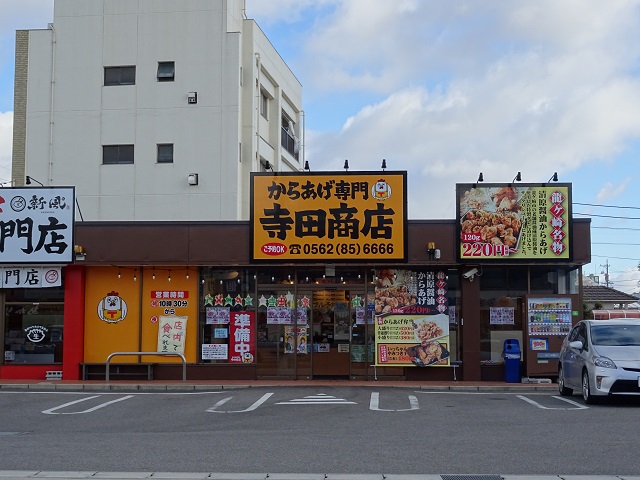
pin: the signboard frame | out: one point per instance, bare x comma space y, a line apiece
328, 251
497, 258
16, 202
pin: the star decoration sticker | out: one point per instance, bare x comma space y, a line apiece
289, 297
356, 301
219, 299
306, 302
238, 300
262, 301
282, 301
271, 301
228, 300
248, 301
208, 299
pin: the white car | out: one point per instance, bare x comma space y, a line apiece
602, 358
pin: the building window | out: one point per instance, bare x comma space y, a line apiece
117, 154
166, 71
165, 153
288, 138
120, 75
264, 105
34, 326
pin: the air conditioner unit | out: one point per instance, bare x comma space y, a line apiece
192, 97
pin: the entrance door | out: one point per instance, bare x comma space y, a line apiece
331, 324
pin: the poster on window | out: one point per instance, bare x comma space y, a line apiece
171, 334
242, 345
215, 351
502, 316
30, 277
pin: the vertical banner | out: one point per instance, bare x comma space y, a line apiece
171, 334
242, 346
412, 318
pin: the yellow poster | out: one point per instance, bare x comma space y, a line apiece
328, 216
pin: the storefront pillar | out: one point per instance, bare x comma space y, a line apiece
73, 353
470, 338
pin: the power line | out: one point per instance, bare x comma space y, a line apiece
618, 228
604, 206
606, 216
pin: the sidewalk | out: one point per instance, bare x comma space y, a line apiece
178, 385
6, 475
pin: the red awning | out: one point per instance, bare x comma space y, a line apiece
607, 314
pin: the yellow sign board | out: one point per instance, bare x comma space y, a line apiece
328, 216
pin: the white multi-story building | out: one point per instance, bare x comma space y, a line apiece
153, 109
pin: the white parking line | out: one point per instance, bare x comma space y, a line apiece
52, 411
260, 401
374, 404
578, 406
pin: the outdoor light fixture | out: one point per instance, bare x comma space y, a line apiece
193, 179
346, 165
29, 179
554, 177
306, 166
480, 178
384, 164
517, 178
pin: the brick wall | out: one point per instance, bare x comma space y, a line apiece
20, 107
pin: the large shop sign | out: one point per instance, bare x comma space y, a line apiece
329, 216
36, 225
525, 222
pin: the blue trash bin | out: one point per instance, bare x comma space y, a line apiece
511, 354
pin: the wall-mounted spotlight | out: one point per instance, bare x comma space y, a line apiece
346, 165
193, 179
268, 166
384, 164
29, 179
306, 166
517, 178
554, 177
480, 178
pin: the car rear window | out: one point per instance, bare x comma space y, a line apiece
615, 335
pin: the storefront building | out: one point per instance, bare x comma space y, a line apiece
208, 290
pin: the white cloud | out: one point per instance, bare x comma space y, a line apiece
609, 190
6, 139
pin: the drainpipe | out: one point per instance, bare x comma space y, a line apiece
259, 66
51, 103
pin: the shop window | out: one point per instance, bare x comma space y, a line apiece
121, 75
33, 330
228, 325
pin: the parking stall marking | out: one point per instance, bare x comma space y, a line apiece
255, 405
374, 404
52, 411
577, 406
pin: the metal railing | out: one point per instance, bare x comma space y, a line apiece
184, 361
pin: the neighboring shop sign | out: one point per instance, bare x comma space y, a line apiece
412, 318
332, 216
36, 224
30, 277
514, 222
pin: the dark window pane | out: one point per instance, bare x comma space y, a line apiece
128, 76
117, 154
165, 153
111, 76
166, 71
119, 76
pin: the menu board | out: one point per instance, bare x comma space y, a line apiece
549, 316
412, 320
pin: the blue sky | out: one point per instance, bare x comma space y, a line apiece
446, 89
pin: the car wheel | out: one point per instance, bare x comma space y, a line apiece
564, 391
586, 389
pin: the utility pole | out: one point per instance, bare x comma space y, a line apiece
606, 274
